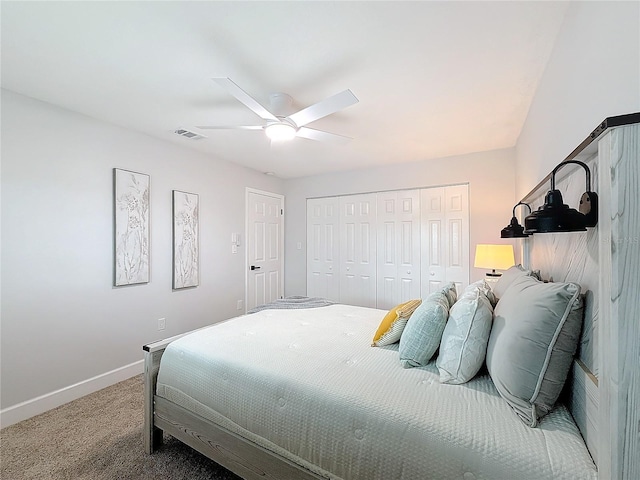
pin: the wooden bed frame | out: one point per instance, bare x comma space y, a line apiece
605, 408
235, 453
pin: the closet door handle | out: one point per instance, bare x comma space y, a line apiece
253, 267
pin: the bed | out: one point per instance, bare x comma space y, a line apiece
303, 395
306, 386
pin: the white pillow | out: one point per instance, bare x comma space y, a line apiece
507, 279
484, 288
464, 341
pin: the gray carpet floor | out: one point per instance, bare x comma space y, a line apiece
98, 437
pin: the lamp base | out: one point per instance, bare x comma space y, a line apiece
494, 274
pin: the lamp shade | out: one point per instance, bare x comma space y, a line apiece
556, 216
494, 257
514, 229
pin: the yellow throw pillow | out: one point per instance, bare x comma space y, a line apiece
393, 323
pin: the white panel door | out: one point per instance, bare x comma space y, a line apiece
398, 245
265, 242
323, 251
358, 250
456, 199
433, 264
445, 237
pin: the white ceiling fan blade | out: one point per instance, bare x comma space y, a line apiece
321, 109
245, 98
230, 127
321, 136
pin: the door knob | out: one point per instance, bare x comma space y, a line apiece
253, 267
432, 274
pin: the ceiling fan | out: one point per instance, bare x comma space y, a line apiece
279, 124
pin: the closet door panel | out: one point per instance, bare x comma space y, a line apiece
358, 250
398, 247
388, 289
322, 248
445, 236
433, 223
457, 238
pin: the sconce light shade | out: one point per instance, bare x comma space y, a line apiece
494, 257
556, 216
514, 229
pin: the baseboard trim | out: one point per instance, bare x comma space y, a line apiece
41, 404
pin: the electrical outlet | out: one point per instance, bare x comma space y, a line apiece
240, 302
162, 323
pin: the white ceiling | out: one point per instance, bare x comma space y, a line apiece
434, 79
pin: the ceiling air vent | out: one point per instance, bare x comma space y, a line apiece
188, 134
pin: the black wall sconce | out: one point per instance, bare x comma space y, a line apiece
514, 229
555, 216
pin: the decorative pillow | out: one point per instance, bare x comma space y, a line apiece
421, 336
451, 293
534, 337
484, 288
393, 323
507, 278
464, 340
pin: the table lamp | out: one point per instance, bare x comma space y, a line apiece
494, 257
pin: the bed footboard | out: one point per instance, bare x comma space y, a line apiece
152, 355
237, 454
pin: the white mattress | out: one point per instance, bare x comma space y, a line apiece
307, 385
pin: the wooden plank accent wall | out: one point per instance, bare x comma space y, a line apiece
619, 192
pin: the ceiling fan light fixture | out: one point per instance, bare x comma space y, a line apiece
280, 131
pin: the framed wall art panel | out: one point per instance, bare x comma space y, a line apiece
131, 227
185, 240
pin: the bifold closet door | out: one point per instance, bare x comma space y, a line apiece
381, 249
398, 241
445, 237
358, 250
322, 248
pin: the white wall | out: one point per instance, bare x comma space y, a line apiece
62, 321
593, 73
491, 178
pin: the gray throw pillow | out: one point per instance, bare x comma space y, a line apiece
450, 291
421, 336
535, 333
